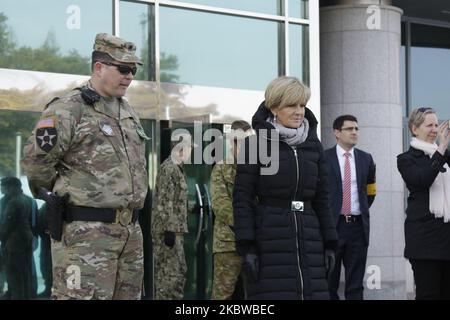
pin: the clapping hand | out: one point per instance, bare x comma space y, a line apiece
444, 136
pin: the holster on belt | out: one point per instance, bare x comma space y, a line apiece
55, 212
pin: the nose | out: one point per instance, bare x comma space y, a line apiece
299, 109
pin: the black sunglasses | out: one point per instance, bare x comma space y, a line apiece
124, 70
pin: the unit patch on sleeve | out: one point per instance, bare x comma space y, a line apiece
46, 134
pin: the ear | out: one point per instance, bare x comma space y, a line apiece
97, 67
336, 133
414, 130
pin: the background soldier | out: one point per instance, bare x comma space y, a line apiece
90, 145
17, 237
169, 223
227, 263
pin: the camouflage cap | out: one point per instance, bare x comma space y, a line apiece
117, 48
183, 139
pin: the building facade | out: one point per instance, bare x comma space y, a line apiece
210, 61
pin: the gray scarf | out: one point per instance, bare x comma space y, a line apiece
293, 137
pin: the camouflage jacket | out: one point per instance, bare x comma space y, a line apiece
222, 183
169, 212
88, 152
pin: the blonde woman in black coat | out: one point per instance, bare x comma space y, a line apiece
283, 225
425, 170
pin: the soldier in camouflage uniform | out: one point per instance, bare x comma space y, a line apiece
169, 224
89, 144
227, 263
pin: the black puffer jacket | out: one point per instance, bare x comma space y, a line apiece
290, 244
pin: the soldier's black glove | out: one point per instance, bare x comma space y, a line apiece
169, 238
329, 262
250, 264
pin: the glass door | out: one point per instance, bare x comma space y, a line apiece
198, 241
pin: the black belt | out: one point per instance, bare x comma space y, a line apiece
77, 213
351, 218
286, 204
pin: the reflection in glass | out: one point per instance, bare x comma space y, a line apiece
51, 35
11, 123
299, 9
221, 104
430, 58
299, 52
266, 6
136, 21
21, 250
219, 50
31, 90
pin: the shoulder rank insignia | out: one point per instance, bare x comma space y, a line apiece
46, 134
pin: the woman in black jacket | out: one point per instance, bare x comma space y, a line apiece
425, 170
283, 225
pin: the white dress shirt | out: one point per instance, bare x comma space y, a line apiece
355, 198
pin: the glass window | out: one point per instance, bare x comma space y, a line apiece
219, 50
136, 23
51, 35
430, 58
299, 9
25, 265
299, 52
266, 6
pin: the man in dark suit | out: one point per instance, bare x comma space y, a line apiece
352, 192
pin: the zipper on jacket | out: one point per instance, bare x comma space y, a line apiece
128, 158
295, 217
296, 225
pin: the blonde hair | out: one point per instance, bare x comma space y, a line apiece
285, 92
417, 117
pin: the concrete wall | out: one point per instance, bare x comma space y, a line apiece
360, 75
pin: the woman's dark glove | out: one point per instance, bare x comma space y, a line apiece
329, 262
169, 238
250, 265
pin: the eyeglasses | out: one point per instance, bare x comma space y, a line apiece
350, 129
124, 70
423, 109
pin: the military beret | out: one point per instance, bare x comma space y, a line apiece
116, 48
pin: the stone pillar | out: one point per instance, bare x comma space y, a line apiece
360, 75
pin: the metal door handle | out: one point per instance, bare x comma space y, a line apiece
200, 224
209, 202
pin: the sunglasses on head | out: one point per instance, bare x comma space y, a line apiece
124, 70
424, 109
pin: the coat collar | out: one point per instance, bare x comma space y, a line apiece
415, 152
261, 115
